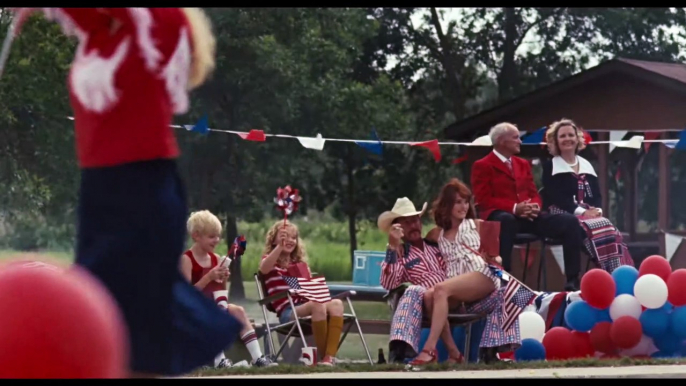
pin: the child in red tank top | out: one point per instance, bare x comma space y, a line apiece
201, 267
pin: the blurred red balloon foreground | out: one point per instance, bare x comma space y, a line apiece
57, 323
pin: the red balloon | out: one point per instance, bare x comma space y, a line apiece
600, 338
626, 332
598, 288
59, 324
558, 344
676, 285
582, 344
657, 265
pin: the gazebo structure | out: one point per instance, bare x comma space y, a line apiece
639, 97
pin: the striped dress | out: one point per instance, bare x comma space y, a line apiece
461, 257
424, 268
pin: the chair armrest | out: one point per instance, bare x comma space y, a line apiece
399, 289
276, 296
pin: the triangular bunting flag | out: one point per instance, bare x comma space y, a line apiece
633, 142
253, 135
672, 243
484, 140
200, 127
681, 145
316, 143
432, 146
616, 136
587, 136
536, 137
374, 148
558, 254
649, 136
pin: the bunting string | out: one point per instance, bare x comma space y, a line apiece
374, 145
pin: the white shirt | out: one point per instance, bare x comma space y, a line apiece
502, 158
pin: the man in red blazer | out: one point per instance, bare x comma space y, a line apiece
504, 191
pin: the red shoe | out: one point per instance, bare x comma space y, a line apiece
419, 362
459, 359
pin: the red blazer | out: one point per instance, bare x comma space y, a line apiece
495, 188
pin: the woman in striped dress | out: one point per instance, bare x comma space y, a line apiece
471, 280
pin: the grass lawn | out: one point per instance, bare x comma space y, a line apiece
299, 369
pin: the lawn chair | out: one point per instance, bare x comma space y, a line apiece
303, 324
455, 318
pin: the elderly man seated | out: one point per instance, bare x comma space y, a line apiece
504, 191
410, 258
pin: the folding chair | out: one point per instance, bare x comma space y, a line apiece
302, 323
455, 318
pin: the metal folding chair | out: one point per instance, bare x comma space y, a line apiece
303, 324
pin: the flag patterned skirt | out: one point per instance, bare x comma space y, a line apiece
406, 325
603, 242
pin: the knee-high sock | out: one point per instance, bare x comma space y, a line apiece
334, 335
319, 330
251, 343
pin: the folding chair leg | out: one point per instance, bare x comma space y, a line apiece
542, 270
467, 342
359, 330
297, 322
268, 335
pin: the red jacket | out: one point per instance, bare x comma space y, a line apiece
495, 188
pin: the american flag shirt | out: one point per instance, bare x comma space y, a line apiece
425, 267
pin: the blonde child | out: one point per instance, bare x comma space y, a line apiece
283, 248
200, 266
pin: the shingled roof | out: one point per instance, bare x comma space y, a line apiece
668, 75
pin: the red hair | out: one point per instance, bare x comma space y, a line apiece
443, 206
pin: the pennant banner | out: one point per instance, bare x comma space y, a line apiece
375, 145
672, 243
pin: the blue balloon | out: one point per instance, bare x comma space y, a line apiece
668, 307
580, 316
625, 277
530, 350
655, 323
668, 343
678, 323
603, 315
661, 354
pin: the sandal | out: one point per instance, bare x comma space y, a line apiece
459, 359
419, 362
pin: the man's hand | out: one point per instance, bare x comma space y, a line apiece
523, 209
395, 236
535, 210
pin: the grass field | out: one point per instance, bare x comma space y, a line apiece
351, 348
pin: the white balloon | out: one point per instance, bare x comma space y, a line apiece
651, 291
531, 326
625, 305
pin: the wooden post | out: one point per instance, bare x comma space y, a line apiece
664, 187
603, 151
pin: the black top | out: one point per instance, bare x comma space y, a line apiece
561, 189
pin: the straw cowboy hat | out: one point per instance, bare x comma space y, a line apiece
403, 208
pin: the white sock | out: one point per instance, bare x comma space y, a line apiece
251, 343
219, 358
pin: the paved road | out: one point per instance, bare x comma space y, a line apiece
669, 371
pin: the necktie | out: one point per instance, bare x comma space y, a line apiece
509, 165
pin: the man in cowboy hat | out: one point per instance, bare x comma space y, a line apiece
410, 258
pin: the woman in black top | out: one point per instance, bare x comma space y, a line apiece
571, 185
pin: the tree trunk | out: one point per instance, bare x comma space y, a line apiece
351, 211
450, 65
237, 291
508, 72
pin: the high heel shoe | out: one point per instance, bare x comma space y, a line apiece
459, 359
419, 362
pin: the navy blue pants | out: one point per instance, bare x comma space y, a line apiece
131, 234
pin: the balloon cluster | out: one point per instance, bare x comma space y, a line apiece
635, 313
